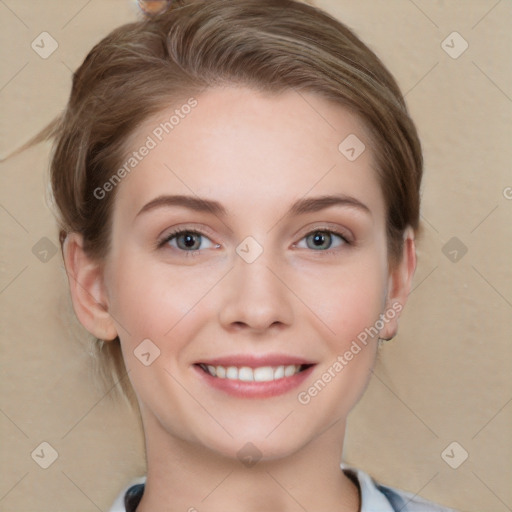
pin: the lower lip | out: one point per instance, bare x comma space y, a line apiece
243, 389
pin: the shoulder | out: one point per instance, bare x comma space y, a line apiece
376, 497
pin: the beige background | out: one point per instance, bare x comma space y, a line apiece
446, 377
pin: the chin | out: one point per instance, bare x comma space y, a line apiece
258, 442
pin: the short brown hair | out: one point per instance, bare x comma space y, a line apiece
271, 45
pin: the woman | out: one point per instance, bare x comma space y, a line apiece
238, 189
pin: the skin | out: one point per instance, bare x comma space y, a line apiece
255, 154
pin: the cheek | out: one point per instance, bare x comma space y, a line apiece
150, 299
347, 298
356, 313
349, 303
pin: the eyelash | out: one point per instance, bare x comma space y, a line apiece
330, 231
174, 234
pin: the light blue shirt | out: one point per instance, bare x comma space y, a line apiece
374, 496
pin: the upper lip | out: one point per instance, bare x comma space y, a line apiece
256, 361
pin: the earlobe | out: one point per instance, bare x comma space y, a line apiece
399, 285
87, 287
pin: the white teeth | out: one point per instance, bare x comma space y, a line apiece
246, 374
263, 374
279, 372
232, 373
289, 370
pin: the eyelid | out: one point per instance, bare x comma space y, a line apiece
332, 228
335, 229
171, 233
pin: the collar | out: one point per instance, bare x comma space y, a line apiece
374, 496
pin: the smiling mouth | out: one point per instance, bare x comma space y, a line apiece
259, 374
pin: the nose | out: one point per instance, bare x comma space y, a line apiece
256, 297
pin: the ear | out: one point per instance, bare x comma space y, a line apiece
88, 292
399, 286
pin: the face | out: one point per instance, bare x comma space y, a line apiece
251, 303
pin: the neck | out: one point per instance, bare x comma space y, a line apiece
183, 476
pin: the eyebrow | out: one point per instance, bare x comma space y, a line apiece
300, 207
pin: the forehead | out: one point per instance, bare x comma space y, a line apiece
247, 149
